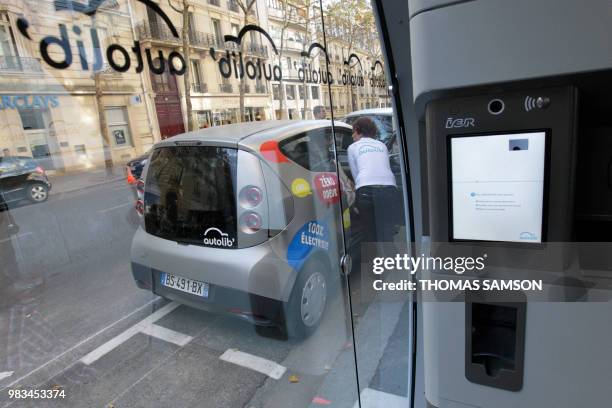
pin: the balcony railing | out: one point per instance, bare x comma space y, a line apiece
257, 49
225, 88
160, 32
200, 39
14, 63
215, 2
154, 31
199, 88
233, 6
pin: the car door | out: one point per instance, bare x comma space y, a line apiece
11, 179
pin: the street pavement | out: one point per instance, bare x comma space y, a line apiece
72, 319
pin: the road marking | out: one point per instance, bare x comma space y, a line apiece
374, 398
267, 367
168, 335
25, 234
141, 327
83, 342
114, 208
5, 374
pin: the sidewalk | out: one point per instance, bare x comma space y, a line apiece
69, 182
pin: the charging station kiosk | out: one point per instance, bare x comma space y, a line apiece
517, 164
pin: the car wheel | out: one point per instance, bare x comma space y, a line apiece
308, 300
38, 192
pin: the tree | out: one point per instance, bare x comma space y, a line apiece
99, 93
308, 15
184, 11
245, 6
350, 19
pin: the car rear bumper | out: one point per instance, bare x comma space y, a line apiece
259, 270
258, 310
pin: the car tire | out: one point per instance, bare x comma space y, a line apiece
38, 192
309, 299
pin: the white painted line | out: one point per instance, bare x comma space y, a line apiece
5, 374
83, 342
267, 367
25, 234
373, 399
116, 341
114, 208
165, 334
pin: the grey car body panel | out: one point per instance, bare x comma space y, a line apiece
261, 269
497, 41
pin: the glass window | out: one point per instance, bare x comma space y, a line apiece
290, 89
276, 91
118, 126
32, 118
190, 189
314, 92
311, 150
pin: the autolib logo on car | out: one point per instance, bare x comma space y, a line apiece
223, 240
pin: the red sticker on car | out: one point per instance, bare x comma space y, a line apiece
327, 187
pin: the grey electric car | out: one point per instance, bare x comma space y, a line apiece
244, 219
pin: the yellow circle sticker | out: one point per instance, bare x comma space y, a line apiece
300, 188
346, 218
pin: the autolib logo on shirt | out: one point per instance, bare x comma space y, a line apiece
222, 240
370, 149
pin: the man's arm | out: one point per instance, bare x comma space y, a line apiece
352, 162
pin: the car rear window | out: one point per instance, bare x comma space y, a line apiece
190, 195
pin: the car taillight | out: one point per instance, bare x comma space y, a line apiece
140, 188
251, 196
139, 207
39, 170
250, 222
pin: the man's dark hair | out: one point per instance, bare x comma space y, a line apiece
366, 127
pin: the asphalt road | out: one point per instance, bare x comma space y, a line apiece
72, 319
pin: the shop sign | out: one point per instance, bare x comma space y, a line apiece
28, 102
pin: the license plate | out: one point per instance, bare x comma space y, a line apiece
184, 285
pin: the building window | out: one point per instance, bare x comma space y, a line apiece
276, 92
9, 59
32, 119
196, 77
301, 89
216, 26
118, 126
290, 89
314, 91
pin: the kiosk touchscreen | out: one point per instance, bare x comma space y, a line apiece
497, 186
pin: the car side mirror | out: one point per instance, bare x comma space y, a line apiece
13, 229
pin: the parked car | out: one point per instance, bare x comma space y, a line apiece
243, 219
22, 178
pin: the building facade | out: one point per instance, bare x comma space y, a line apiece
87, 87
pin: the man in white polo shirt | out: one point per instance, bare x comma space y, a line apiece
374, 181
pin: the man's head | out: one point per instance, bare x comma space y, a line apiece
364, 127
319, 112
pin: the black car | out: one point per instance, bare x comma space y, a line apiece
22, 178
